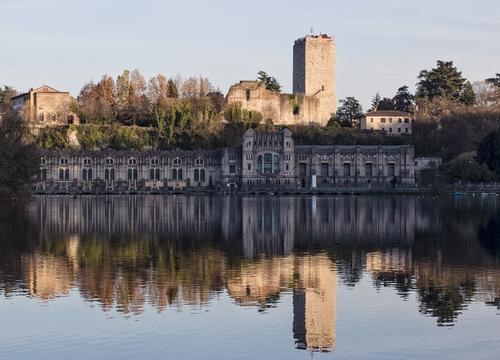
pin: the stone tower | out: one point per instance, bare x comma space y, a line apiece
314, 59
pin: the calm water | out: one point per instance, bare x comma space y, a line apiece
250, 278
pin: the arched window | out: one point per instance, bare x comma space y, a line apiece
199, 162
202, 175
43, 161
63, 161
177, 162
109, 161
132, 161
196, 175
174, 174
87, 161
155, 161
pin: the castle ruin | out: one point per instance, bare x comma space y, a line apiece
314, 87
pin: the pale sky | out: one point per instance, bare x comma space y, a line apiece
380, 44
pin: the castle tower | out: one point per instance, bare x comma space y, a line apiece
314, 60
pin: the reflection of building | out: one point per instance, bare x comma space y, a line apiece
314, 304
264, 161
313, 281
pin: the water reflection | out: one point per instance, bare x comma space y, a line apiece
125, 253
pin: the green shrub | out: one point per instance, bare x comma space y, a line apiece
127, 137
93, 136
53, 137
466, 167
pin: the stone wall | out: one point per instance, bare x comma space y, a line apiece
281, 109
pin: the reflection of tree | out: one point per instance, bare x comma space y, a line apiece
446, 302
489, 235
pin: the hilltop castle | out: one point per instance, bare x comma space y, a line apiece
314, 87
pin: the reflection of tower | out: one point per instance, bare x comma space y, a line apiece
314, 303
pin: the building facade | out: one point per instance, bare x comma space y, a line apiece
45, 106
265, 161
391, 121
314, 87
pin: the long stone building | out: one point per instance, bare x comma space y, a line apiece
314, 87
265, 161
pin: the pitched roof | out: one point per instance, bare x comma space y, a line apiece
394, 113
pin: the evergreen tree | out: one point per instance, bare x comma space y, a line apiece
375, 101
349, 110
495, 81
19, 163
488, 151
386, 104
172, 91
5, 95
403, 100
468, 97
444, 81
270, 81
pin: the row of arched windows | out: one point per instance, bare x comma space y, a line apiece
131, 161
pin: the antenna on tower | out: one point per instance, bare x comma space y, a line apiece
312, 30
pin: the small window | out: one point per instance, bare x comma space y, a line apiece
391, 169
347, 169
406, 130
249, 166
382, 120
155, 161
132, 161
196, 175
400, 120
399, 130
63, 161
41, 117
43, 161
177, 162
324, 169
407, 120
199, 162
109, 161
248, 95
232, 169
390, 130
202, 175
87, 162
390, 120
368, 169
